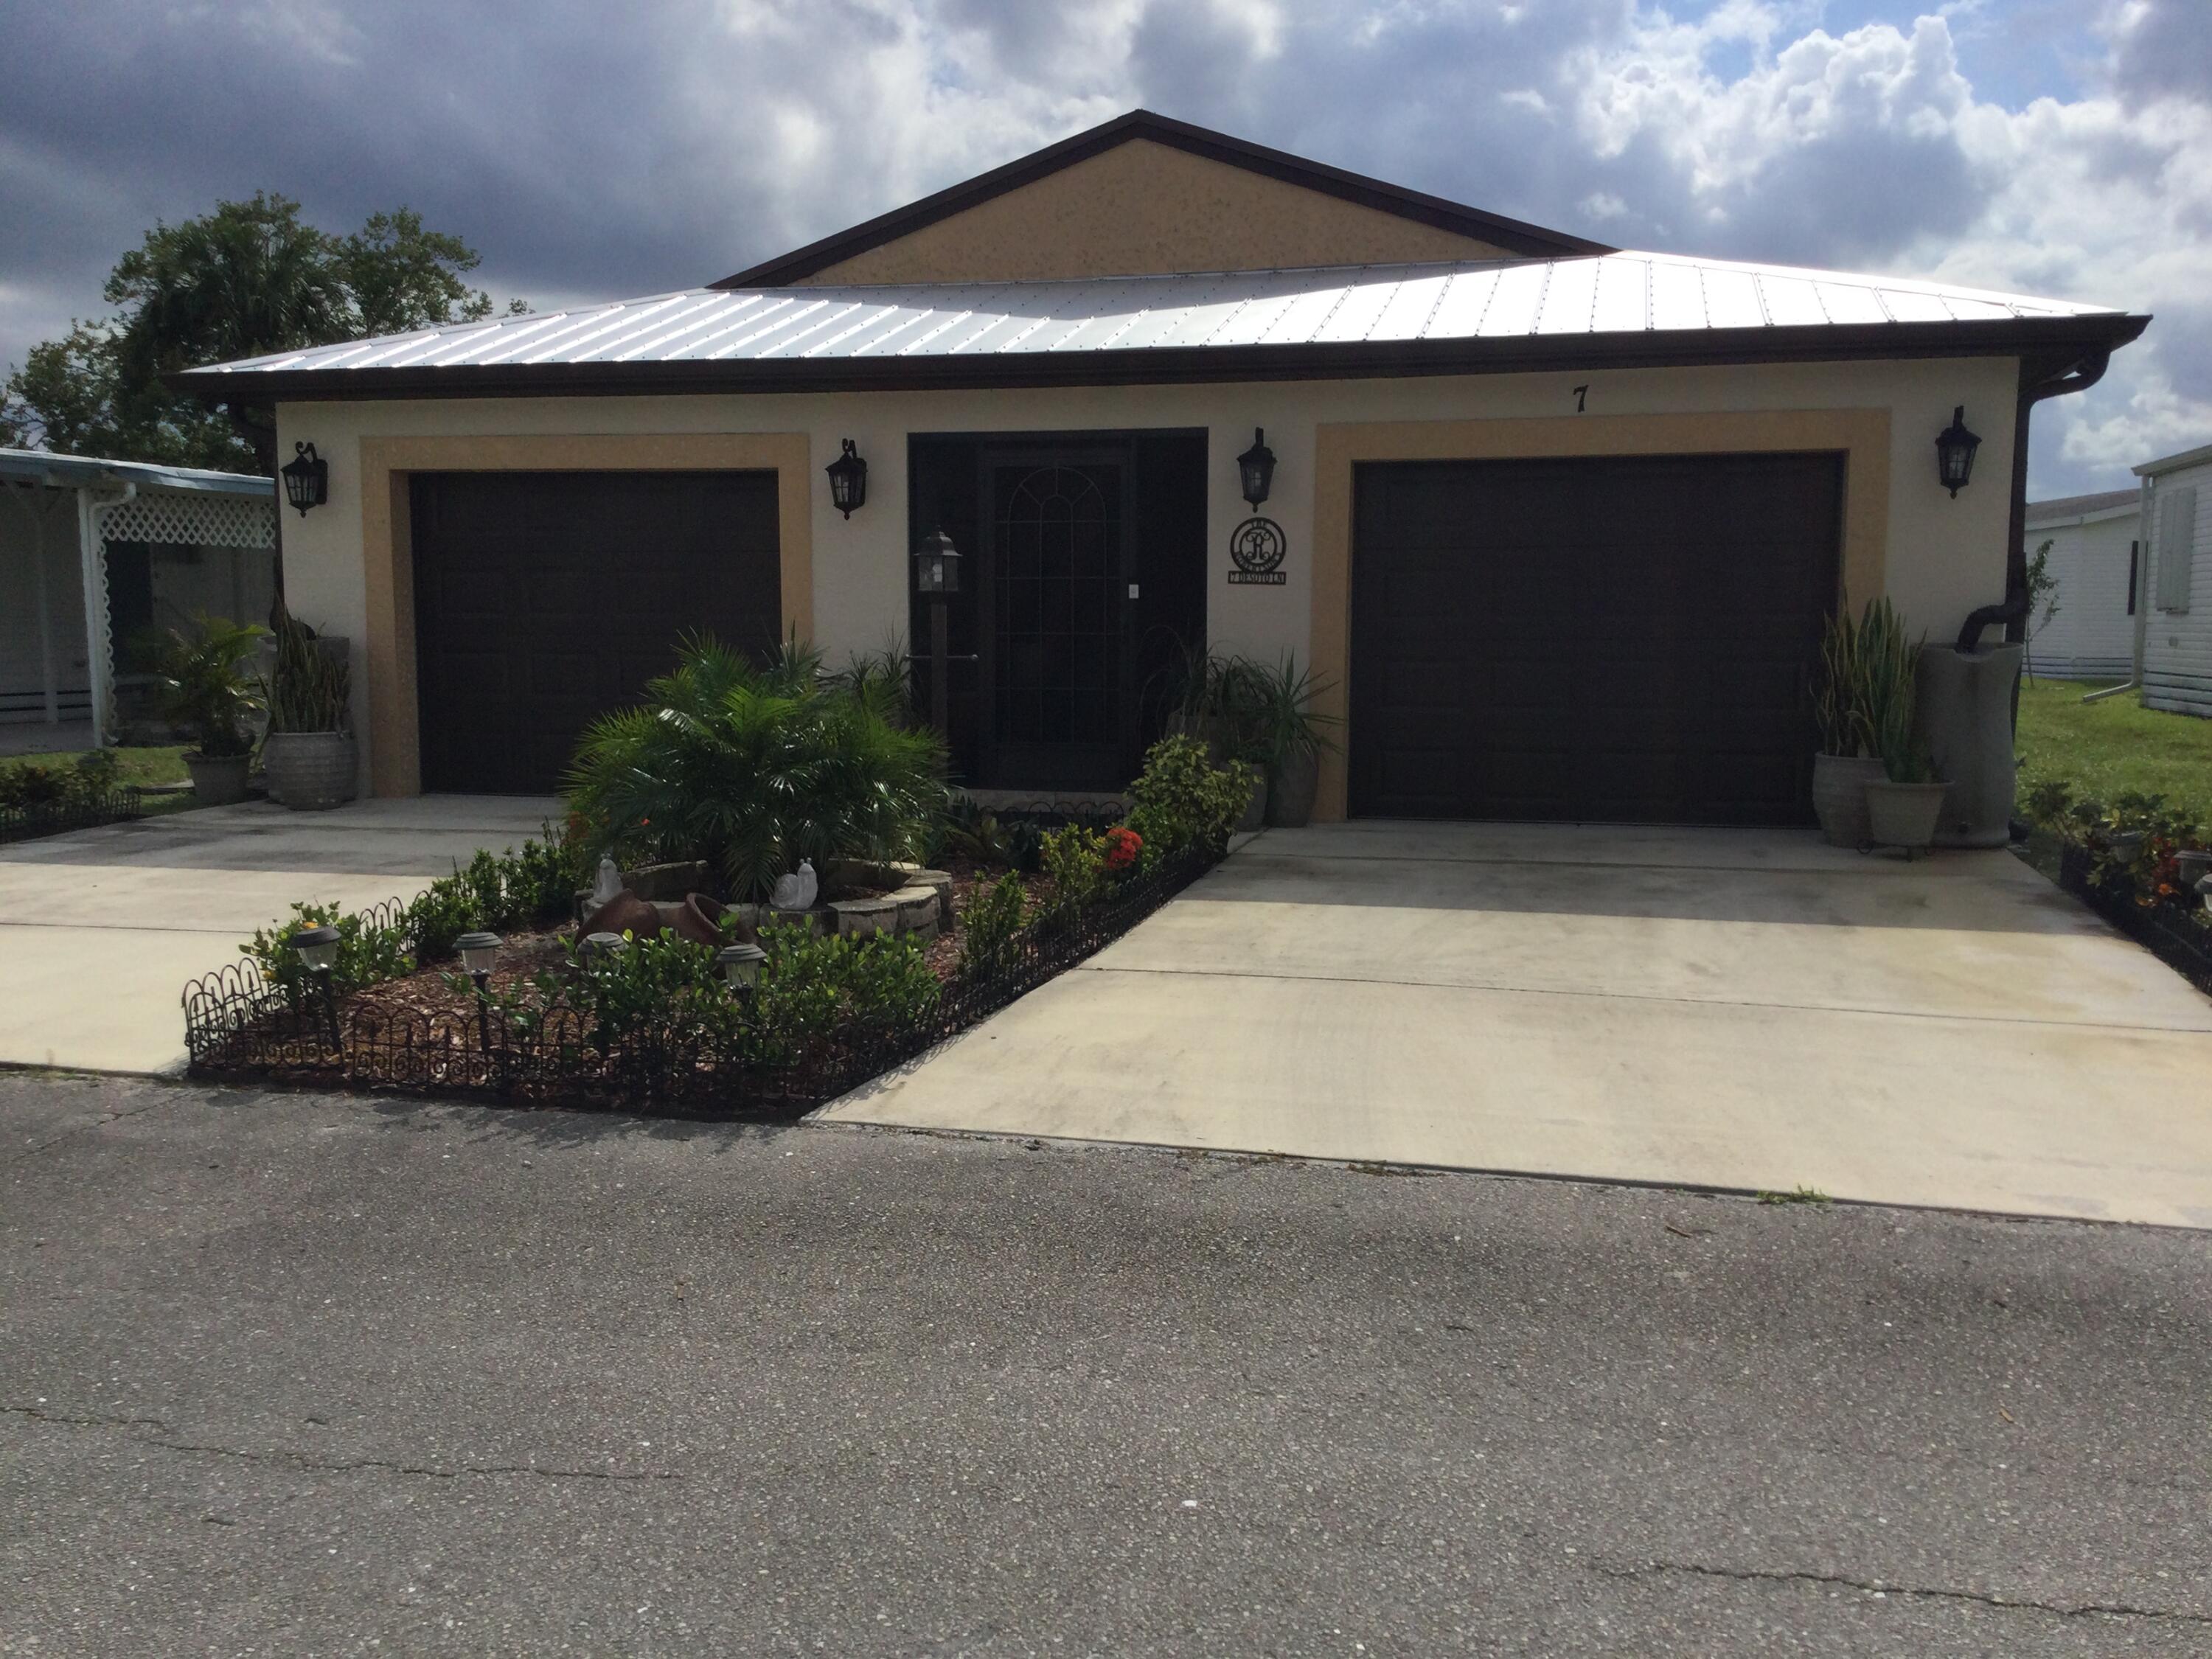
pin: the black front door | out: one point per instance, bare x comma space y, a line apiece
1054, 656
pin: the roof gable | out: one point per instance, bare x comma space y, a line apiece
1144, 195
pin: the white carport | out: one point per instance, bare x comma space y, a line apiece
201, 531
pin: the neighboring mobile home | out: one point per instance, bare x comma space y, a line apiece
94, 554
2085, 629
1559, 524
2173, 625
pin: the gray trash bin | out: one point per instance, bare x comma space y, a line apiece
1966, 714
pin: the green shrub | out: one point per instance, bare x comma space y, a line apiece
1184, 801
986, 932
367, 954
31, 784
662, 992
814, 983
753, 770
436, 916
1075, 859
544, 878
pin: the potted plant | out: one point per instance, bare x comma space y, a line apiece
1292, 736
1847, 760
206, 688
1905, 804
311, 755
1221, 702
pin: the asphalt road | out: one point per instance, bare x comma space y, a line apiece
285, 1374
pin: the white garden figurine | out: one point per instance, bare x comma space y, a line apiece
796, 892
610, 881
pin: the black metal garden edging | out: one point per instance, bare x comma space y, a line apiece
2166, 931
122, 804
241, 1025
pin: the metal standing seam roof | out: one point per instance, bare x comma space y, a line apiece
1613, 294
68, 471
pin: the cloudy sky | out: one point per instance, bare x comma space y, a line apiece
591, 150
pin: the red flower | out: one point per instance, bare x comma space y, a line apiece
1122, 846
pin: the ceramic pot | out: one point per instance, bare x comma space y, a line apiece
702, 920
1839, 799
1905, 814
310, 771
1255, 809
218, 779
1290, 792
625, 913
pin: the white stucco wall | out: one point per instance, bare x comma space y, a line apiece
1944, 556
2093, 633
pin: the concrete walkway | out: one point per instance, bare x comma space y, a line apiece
1738, 1009
99, 930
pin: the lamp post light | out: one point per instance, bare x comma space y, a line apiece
306, 478
937, 577
480, 955
317, 950
1255, 468
1955, 453
848, 480
741, 966
600, 947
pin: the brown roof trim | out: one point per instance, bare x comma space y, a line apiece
1514, 236
2064, 336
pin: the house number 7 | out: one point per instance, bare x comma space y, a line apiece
1582, 397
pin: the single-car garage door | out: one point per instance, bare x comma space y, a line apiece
542, 599
1620, 639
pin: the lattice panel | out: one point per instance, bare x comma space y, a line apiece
199, 520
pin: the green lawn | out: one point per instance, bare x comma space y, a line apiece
2104, 749
138, 766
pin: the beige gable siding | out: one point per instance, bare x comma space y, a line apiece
1142, 208
2177, 661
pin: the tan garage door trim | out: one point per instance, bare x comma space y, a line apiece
1862, 435
394, 730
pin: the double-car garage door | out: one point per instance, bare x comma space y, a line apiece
1621, 639
543, 599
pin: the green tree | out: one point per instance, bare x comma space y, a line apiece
248, 279
2042, 601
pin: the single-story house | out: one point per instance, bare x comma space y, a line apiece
2174, 627
95, 554
2095, 545
1557, 523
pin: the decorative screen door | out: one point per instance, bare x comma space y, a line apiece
1058, 577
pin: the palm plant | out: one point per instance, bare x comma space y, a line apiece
753, 769
1280, 697
206, 686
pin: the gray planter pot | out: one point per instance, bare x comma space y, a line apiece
1905, 814
218, 780
1255, 809
1839, 799
1290, 792
310, 771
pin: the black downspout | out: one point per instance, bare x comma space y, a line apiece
2038, 380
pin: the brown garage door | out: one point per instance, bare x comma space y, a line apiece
542, 599
1617, 639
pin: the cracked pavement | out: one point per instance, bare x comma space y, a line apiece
297, 1374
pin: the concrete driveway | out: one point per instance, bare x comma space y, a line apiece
1734, 1009
99, 930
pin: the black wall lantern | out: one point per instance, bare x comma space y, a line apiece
1256, 467
1954, 452
306, 478
848, 480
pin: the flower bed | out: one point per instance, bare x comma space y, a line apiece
84, 811
2179, 935
671, 1057
2123, 859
